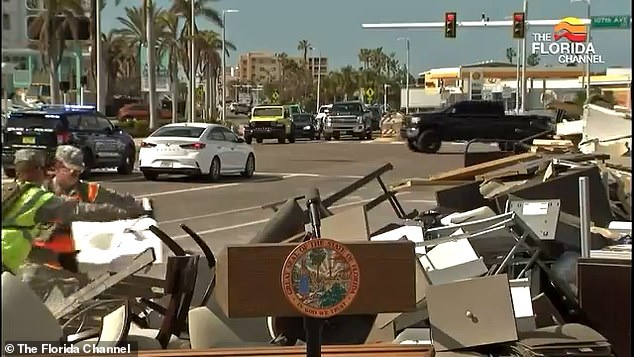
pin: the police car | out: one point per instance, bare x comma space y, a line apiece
103, 144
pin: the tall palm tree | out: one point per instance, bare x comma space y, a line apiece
50, 32
303, 46
134, 24
209, 45
202, 8
169, 41
364, 57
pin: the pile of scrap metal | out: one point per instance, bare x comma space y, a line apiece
591, 228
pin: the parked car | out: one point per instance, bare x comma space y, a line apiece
196, 149
141, 111
270, 122
304, 125
103, 144
469, 120
241, 108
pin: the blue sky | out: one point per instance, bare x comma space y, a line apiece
334, 27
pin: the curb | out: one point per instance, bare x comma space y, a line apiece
388, 139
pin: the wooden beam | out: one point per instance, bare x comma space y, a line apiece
469, 172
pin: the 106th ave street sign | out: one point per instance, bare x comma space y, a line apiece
611, 22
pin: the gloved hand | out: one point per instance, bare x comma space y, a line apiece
68, 261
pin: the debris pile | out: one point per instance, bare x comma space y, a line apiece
524, 255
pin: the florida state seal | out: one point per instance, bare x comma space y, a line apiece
320, 278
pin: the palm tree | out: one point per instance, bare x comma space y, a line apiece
134, 25
169, 41
201, 9
364, 57
50, 32
510, 54
303, 46
209, 45
532, 60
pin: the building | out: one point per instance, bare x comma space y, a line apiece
261, 67
14, 24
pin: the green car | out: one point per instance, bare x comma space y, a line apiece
270, 122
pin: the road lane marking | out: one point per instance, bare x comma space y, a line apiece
192, 189
260, 221
308, 174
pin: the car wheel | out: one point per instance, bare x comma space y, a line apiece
259, 141
248, 140
336, 136
151, 176
88, 163
127, 164
317, 136
291, 139
327, 137
412, 146
249, 167
214, 170
429, 141
369, 136
10, 173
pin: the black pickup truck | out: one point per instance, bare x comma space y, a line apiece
469, 120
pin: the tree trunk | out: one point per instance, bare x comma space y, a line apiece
151, 52
214, 97
54, 82
174, 87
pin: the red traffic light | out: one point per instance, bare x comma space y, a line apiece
450, 16
519, 17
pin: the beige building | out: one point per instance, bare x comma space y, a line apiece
261, 67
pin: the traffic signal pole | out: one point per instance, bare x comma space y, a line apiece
477, 24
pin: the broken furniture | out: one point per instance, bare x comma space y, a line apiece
27, 319
605, 298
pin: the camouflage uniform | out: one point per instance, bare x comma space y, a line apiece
60, 211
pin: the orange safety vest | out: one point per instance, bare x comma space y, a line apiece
62, 241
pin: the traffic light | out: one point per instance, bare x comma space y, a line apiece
519, 25
450, 24
34, 27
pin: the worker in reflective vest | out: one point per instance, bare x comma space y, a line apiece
31, 207
69, 164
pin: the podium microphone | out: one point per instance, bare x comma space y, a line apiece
313, 201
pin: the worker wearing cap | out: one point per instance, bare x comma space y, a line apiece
69, 164
32, 207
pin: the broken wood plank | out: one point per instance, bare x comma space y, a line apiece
552, 143
469, 172
412, 184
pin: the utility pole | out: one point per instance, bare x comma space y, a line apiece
523, 84
192, 63
101, 105
385, 87
151, 52
406, 39
517, 78
318, 82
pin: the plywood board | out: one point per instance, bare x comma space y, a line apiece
470, 172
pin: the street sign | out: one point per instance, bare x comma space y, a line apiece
369, 92
611, 22
275, 96
162, 71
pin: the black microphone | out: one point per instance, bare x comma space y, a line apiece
313, 201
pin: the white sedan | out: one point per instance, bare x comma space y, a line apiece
195, 149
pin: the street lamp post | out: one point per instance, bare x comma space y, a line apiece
100, 94
224, 69
385, 87
406, 39
523, 83
318, 77
192, 62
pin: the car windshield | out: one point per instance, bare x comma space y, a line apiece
323, 109
22, 121
346, 107
302, 118
267, 112
179, 132
294, 110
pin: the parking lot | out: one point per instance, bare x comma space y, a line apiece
229, 211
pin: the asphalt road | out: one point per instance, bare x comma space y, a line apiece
229, 211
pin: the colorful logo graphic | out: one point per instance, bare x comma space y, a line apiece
320, 278
572, 29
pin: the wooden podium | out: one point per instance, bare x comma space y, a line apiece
249, 285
